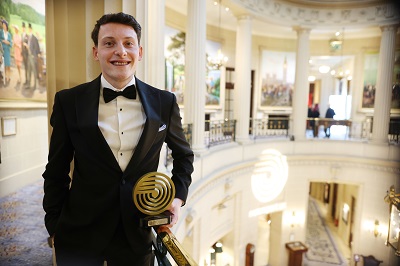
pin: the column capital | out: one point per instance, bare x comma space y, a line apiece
389, 27
244, 17
301, 29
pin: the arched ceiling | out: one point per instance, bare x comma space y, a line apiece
276, 18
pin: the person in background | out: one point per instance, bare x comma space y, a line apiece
113, 141
33, 53
6, 42
314, 113
25, 51
17, 46
330, 113
2, 81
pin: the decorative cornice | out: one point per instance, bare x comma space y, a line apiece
317, 16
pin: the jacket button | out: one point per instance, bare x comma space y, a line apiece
123, 181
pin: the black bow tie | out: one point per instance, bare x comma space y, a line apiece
129, 92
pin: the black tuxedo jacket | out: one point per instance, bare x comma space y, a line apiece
83, 212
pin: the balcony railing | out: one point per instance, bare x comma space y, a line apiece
187, 131
394, 130
271, 127
219, 132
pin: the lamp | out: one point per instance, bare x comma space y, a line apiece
217, 247
218, 61
377, 230
268, 218
393, 236
334, 43
337, 44
293, 220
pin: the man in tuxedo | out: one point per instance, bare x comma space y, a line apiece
112, 142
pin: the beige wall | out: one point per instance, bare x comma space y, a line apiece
24, 155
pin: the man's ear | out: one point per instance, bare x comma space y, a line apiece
140, 53
94, 51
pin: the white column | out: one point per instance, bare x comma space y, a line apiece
195, 72
301, 85
327, 85
384, 85
138, 9
243, 79
155, 66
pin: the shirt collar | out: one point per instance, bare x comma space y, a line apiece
105, 83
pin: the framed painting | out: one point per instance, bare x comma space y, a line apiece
175, 69
215, 85
370, 75
395, 104
345, 213
174, 52
23, 61
277, 79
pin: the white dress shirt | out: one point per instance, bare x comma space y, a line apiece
121, 122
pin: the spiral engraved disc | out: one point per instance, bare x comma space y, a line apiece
153, 193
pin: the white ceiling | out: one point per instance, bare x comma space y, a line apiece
264, 26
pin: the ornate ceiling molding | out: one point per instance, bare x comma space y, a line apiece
372, 13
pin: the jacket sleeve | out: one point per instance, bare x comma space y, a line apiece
181, 153
56, 175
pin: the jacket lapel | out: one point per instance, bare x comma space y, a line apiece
152, 107
87, 111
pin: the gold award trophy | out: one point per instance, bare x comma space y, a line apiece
153, 194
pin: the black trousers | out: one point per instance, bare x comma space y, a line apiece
117, 253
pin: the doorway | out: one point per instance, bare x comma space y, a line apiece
332, 207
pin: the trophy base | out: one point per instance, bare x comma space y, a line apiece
156, 220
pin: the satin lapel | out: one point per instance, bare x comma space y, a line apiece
151, 104
87, 112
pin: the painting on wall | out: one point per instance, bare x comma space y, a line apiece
277, 79
174, 52
370, 74
396, 82
214, 87
23, 61
175, 68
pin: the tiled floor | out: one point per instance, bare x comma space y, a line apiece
342, 246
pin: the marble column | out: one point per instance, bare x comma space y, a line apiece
139, 9
155, 66
301, 84
243, 79
153, 53
195, 72
384, 83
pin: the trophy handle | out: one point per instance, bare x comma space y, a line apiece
175, 249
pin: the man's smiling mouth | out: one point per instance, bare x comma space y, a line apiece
116, 63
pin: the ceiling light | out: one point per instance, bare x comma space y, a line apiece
219, 60
324, 69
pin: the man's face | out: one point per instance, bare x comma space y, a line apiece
118, 52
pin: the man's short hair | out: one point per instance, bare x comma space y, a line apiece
121, 18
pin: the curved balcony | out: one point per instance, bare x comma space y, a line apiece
236, 184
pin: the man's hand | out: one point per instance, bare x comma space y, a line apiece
174, 209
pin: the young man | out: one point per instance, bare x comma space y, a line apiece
113, 142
